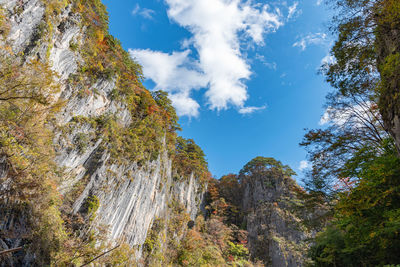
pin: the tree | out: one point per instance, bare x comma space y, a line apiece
261, 165
367, 55
162, 100
355, 161
26, 105
365, 227
29, 176
189, 158
355, 107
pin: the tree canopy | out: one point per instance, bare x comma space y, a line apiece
260, 165
355, 161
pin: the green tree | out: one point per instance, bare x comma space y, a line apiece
261, 165
189, 158
366, 223
355, 163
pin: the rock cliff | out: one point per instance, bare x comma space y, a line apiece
275, 231
275, 214
99, 183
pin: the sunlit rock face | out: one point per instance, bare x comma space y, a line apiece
274, 217
131, 195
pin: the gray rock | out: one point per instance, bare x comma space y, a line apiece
130, 196
274, 219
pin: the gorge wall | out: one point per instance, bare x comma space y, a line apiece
275, 219
124, 195
111, 172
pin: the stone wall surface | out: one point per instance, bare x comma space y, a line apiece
130, 195
274, 219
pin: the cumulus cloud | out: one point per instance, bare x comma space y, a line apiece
311, 39
217, 26
185, 105
220, 29
174, 73
143, 12
319, 2
304, 164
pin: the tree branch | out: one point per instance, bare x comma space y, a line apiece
87, 263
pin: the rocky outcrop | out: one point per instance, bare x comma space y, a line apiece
274, 216
130, 194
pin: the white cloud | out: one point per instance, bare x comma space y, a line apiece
319, 2
270, 65
174, 73
328, 59
184, 105
143, 12
293, 10
249, 110
351, 115
313, 38
326, 117
217, 26
304, 164
220, 29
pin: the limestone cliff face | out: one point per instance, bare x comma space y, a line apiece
275, 220
130, 194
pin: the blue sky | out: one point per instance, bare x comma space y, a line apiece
242, 74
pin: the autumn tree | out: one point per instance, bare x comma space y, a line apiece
189, 158
230, 190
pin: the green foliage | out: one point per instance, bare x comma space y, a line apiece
152, 242
355, 162
328, 247
238, 251
263, 165
167, 110
163, 240
26, 105
81, 141
189, 158
365, 231
124, 255
4, 24
153, 117
168, 113
229, 200
93, 204
210, 243
390, 82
